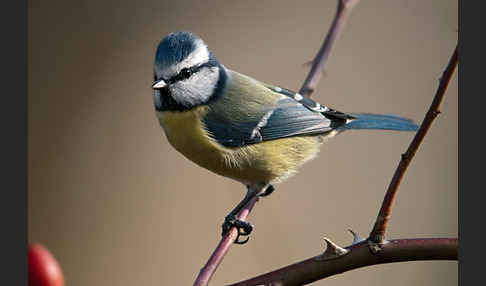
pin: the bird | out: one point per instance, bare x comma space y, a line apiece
241, 128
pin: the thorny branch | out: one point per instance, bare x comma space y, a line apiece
370, 251
377, 235
356, 256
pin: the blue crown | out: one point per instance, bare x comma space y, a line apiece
175, 47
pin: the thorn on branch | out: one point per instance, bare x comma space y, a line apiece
356, 238
332, 251
308, 63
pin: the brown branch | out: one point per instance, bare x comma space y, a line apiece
223, 247
343, 10
356, 256
377, 235
374, 250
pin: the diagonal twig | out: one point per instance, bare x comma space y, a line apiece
223, 247
377, 235
343, 10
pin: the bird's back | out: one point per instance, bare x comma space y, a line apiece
265, 161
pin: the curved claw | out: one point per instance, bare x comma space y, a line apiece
244, 228
237, 240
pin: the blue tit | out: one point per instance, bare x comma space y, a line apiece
238, 127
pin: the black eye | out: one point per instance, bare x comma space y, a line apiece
185, 73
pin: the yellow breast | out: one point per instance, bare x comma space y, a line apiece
258, 163
186, 134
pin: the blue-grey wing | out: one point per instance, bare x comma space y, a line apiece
286, 118
311, 104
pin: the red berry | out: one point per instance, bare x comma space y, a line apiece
43, 267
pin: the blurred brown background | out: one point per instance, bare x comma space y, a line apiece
118, 206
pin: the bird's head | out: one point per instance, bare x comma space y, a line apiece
186, 73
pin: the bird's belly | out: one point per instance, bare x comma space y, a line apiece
264, 162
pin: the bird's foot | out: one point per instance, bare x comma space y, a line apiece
244, 228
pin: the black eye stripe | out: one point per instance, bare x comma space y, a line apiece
186, 73
183, 74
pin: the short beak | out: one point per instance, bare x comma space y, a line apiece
159, 84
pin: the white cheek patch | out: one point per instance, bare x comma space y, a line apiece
198, 57
197, 89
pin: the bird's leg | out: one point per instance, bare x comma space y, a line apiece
244, 227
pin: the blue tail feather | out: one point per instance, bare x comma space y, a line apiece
379, 121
